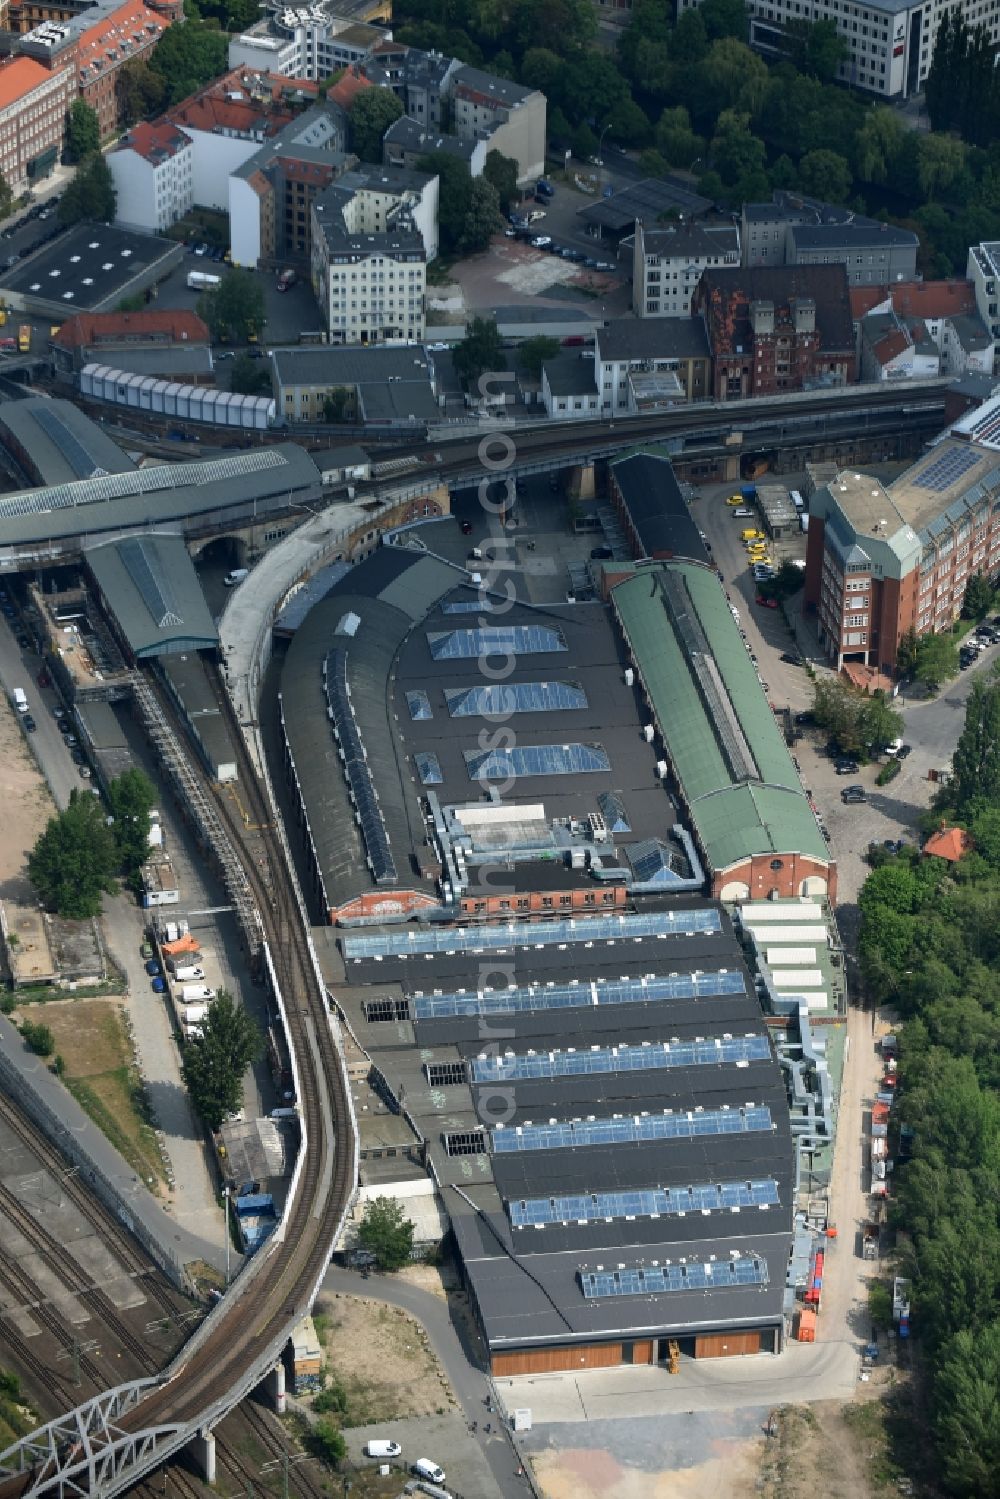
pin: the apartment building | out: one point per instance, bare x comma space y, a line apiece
921, 328
378, 386
667, 264
983, 270
883, 560
793, 230
406, 141
777, 328
152, 168
271, 194
33, 105
510, 118
96, 44
634, 359
890, 43
369, 258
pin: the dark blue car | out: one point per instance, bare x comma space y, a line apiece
159, 986
153, 969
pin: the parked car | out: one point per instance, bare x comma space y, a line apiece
903, 751
424, 1468
790, 659
846, 767
29, 724
606, 265
601, 554
153, 969
541, 241
766, 603
806, 719
853, 796
158, 986
467, 528
84, 772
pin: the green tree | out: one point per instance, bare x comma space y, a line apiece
325, 1442
816, 48
878, 144
250, 377
734, 151
371, 113
38, 1038
880, 1305
937, 660
336, 403
675, 137
856, 722
386, 1233
502, 172
967, 1411
234, 308
940, 163
131, 798
906, 653
142, 92
479, 351
83, 131
976, 762
736, 76
534, 352
90, 195
482, 217
74, 861
214, 1066
724, 18
827, 175
188, 56
454, 187
980, 596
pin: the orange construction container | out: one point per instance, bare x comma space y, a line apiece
807, 1326
187, 943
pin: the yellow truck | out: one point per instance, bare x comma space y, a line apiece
24, 338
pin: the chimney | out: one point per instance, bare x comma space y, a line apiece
762, 318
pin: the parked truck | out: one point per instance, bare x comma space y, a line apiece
19, 698
193, 1014
203, 280
286, 280
24, 338
869, 1239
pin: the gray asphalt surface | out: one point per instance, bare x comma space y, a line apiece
460, 1364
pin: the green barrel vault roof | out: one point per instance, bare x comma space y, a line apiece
734, 818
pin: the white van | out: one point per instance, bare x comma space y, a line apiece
381, 1447
236, 576
196, 993
19, 698
796, 499
424, 1468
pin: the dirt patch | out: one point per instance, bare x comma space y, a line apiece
841, 1451
381, 1359
587, 1474
101, 1073
27, 806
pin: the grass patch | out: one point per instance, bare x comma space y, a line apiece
869, 1423
440, 272
101, 1074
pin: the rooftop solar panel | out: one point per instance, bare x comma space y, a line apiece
690, 1275
946, 469
419, 705
635, 1130
658, 1202
537, 997
490, 938
536, 760
503, 699
494, 640
516, 1067
359, 779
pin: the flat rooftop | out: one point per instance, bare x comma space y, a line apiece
943, 477
87, 266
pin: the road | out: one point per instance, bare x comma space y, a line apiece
461, 1364
20, 668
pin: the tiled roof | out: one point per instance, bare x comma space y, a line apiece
347, 88
153, 142
19, 77
96, 327
123, 33
933, 299
243, 100
951, 844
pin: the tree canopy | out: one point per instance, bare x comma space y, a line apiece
75, 860
214, 1065
859, 724
90, 194
250, 377
468, 207
371, 113
235, 308
386, 1233
501, 171
83, 131
479, 351
534, 352
188, 56
131, 798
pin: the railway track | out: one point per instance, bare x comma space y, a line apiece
247, 1326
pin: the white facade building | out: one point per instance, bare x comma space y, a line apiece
890, 42
152, 170
667, 264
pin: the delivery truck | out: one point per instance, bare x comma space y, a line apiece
19, 698
203, 281
189, 973
193, 1014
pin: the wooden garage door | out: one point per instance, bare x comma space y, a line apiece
726, 1344
550, 1360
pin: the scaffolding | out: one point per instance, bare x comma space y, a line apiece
190, 788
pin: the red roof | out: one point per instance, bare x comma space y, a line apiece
154, 141
933, 299
124, 33
244, 100
890, 346
347, 88
18, 77
97, 327
951, 844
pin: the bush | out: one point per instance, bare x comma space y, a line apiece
332, 1400
326, 1443
890, 770
39, 1038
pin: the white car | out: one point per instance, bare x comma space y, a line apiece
541, 242
424, 1468
379, 1447
535, 215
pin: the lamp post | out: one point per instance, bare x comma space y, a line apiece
600, 150
225, 1195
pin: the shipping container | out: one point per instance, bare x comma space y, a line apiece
189, 958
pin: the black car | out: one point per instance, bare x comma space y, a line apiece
846, 767
29, 723
790, 659
903, 751
601, 554
805, 719
24, 642
853, 796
